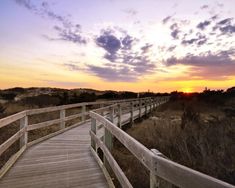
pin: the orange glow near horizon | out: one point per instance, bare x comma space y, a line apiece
187, 90
135, 50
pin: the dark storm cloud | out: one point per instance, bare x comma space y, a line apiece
203, 25
68, 31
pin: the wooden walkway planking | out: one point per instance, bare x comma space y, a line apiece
62, 161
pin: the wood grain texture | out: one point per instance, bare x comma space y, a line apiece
62, 161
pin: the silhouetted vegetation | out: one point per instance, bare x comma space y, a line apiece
196, 130
193, 129
41, 101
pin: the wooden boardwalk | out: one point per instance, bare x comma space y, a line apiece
61, 161
69, 157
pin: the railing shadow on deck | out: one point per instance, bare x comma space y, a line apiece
26, 127
159, 166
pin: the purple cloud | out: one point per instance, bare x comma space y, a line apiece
208, 66
67, 31
203, 25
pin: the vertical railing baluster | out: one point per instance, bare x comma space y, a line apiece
155, 181
83, 112
23, 125
132, 112
62, 116
93, 129
119, 116
154, 103
108, 137
140, 104
102, 112
146, 106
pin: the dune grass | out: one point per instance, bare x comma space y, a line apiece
189, 133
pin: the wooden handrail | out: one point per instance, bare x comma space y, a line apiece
10, 119
22, 134
158, 165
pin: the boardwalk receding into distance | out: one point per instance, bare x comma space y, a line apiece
69, 157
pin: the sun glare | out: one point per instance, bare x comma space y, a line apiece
187, 90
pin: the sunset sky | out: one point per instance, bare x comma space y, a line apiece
134, 45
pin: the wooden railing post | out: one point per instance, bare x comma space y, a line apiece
132, 112
62, 116
140, 103
119, 116
146, 106
108, 138
150, 105
101, 106
154, 103
111, 114
93, 129
23, 125
83, 112
155, 181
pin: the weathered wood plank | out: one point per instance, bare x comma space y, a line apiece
112, 163
4, 146
52, 122
183, 176
55, 133
64, 160
11, 161
83, 112
23, 125
10, 119
62, 116
42, 166
107, 176
43, 124
93, 129
64, 107
137, 149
